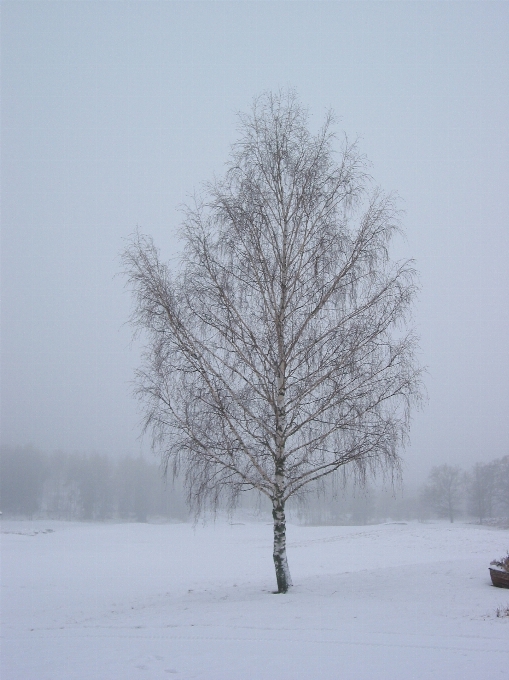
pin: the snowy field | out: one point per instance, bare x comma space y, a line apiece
387, 602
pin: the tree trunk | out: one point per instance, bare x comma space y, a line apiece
284, 580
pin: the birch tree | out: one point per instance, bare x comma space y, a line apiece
278, 350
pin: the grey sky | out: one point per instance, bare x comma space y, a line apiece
113, 112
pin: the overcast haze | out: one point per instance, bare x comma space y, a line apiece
114, 112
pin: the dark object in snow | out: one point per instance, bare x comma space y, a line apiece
499, 572
500, 579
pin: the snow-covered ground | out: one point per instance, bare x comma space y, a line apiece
387, 602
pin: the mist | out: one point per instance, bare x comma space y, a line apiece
114, 113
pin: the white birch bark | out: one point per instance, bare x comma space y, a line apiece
283, 578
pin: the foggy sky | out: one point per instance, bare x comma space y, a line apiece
114, 112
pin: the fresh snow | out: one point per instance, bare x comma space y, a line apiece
86, 601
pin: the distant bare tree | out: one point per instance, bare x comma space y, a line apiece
482, 490
444, 490
278, 351
502, 484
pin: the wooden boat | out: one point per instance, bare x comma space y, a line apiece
499, 578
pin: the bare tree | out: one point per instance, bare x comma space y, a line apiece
502, 484
278, 351
444, 490
481, 490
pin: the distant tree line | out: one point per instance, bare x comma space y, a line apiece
351, 504
85, 487
483, 492
98, 487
